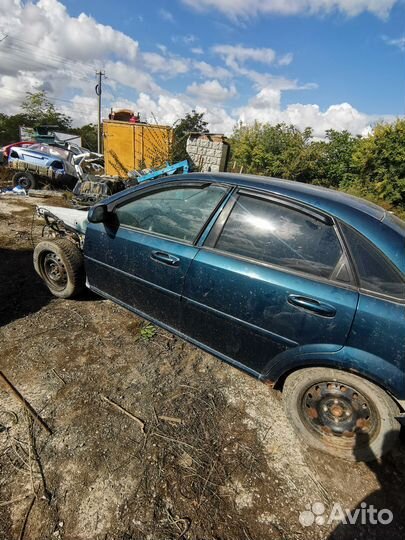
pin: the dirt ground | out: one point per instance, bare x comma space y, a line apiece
205, 454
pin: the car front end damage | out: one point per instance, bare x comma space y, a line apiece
64, 223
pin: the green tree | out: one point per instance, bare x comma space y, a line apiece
38, 110
334, 164
88, 133
380, 163
285, 151
9, 127
192, 122
281, 150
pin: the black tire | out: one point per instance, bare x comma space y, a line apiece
341, 414
60, 264
25, 180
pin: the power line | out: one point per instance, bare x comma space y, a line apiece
49, 55
72, 64
52, 98
72, 74
23, 54
14, 49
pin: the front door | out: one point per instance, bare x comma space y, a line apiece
275, 277
142, 257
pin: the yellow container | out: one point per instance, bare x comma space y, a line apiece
135, 146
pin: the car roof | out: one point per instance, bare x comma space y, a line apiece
311, 194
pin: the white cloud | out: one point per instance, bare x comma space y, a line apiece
165, 109
286, 59
278, 82
168, 109
187, 39
45, 42
51, 50
166, 15
209, 71
265, 107
169, 65
81, 108
211, 91
249, 8
162, 48
268, 99
197, 50
398, 42
219, 120
234, 55
135, 77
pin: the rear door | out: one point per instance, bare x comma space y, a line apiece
271, 275
141, 257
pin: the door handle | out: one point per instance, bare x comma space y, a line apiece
165, 258
311, 304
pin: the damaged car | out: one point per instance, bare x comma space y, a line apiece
41, 163
300, 286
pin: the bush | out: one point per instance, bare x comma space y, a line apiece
372, 167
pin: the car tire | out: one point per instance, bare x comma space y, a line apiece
25, 180
60, 264
341, 414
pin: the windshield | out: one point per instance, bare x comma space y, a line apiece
52, 150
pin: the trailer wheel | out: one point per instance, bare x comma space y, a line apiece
25, 180
60, 264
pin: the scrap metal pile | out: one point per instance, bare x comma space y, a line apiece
73, 168
49, 160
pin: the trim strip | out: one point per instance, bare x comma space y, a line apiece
310, 277
293, 204
137, 278
276, 337
172, 330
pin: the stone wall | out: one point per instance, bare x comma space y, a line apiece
207, 153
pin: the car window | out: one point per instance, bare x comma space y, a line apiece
375, 272
175, 212
279, 235
51, 150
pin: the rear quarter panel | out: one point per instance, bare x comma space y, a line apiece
379, 329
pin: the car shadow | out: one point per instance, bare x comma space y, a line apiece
382, 513
21, 289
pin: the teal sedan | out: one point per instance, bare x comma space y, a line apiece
300, 286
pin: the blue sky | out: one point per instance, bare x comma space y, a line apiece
324, 63
346, 56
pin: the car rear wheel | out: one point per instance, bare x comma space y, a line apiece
24, 179
60, 264
341, 413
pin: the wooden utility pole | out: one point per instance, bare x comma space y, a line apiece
100, 74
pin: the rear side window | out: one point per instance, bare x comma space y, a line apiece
375, 272
275, 234
179, 213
